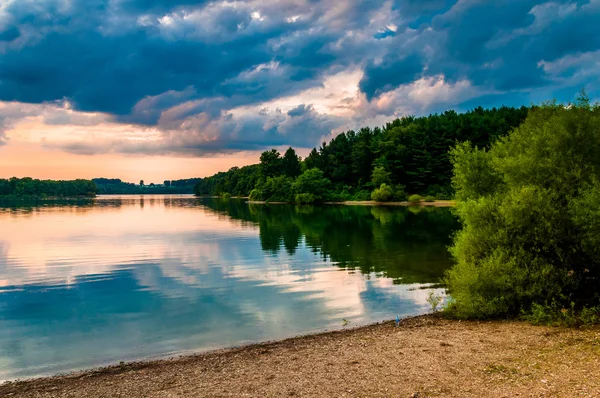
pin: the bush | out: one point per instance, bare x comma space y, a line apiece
530, 209
311, 182
225, 195
361, 195
305, 198
590, 316
440, 192
429, 199
414, 198
399, 194
278, 189
255, 195
380, 176
382, 194
555, 315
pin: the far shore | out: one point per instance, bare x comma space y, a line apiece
425, 356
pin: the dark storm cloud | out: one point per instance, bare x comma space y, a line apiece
301, 127
495, 45
390, 73
183, 65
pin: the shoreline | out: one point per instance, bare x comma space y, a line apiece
426, 354
436, 203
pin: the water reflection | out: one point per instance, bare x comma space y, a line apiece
123, 278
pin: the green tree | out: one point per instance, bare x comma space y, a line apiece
530, 224
380, 176
312, 182
270, 164
291, 163
413, 150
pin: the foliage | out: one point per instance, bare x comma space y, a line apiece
440, 192
254, 195
414, 198
108, 186
225, 195
473, 172
238, 181
361, 195
305, 198
429, 199
380, 176
291, 165
556, 315
22, 187
410, 152
275, 189
312, 182
434, 301
530, 208
383, 194
399, 194
270, 164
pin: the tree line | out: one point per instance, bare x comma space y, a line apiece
114, 186
23, 187
407, 156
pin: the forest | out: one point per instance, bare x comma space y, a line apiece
114, 186
408, 156
29, 187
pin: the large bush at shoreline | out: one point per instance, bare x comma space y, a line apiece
530, 209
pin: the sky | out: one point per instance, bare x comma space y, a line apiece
168, 89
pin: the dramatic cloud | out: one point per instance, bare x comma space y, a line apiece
186, 77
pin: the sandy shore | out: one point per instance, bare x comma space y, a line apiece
424, 357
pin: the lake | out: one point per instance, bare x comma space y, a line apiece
118, 278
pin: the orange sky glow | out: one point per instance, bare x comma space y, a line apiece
31, 160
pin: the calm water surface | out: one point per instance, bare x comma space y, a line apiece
122, 278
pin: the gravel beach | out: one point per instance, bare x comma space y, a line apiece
425, 356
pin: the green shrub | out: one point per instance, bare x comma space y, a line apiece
225, 195
312, 182
380, 176
305, 198
590, 316
399, 194
429, 199
278, 189
556, 315
440, 192
530, 209
255, 195
382, 194
414, 198
361, 195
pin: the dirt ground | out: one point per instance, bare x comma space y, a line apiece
423, 357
